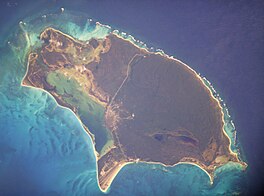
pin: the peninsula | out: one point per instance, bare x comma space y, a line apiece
137, 105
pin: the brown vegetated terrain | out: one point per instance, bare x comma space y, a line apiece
156, 109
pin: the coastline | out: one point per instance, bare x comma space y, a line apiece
121, 165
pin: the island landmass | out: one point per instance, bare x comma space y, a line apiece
137, 105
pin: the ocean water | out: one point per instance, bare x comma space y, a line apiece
45, 151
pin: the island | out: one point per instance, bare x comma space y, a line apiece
136, 105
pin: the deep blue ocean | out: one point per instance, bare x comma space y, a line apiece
44, 149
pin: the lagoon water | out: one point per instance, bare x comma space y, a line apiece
45, 151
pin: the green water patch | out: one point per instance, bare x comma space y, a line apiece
89, 111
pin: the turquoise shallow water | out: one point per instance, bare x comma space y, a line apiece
45, 151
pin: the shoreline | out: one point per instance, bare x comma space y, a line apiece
121, 165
